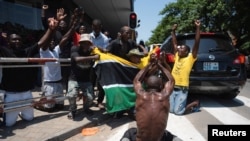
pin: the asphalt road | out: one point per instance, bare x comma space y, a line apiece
191, 127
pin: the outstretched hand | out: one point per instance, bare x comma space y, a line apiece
45, 7
53, 23
174, 27
60, 14
197, 23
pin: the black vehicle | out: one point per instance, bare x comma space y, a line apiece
219, 70
248, 65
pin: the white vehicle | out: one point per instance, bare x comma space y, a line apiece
152, 46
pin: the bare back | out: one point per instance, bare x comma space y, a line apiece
152, 110
152, 104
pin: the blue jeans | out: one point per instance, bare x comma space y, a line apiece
73, 90
11, 117
178, 101
51, 89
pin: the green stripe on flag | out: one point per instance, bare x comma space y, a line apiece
119, 98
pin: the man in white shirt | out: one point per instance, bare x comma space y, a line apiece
52, 77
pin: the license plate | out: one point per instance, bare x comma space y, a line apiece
210, 66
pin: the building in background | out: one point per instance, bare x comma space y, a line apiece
113, 13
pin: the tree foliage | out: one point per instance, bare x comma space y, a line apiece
227, 16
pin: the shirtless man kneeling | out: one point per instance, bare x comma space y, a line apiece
152, 103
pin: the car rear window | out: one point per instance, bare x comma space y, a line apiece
208, 44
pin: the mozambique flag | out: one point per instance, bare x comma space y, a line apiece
116, 76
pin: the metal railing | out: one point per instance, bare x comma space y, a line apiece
22, 104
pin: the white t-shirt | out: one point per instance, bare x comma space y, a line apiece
52, 70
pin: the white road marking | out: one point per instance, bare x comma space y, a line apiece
118, 133
177, 125
244, 99
181, 127
223, 114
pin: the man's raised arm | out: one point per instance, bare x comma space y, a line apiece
197, 39
46, 38
169, 85
174, 40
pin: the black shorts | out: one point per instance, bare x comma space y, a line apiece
130, 135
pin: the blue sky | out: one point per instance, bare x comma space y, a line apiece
148, 12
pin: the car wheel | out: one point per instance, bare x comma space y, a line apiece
230, 95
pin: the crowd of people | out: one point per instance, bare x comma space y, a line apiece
155, 94
60, 40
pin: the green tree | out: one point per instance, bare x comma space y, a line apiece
227, 16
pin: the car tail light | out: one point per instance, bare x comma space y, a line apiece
170, 58
240, 60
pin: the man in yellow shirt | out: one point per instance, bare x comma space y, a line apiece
184, 60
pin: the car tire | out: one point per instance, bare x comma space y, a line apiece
230, 95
